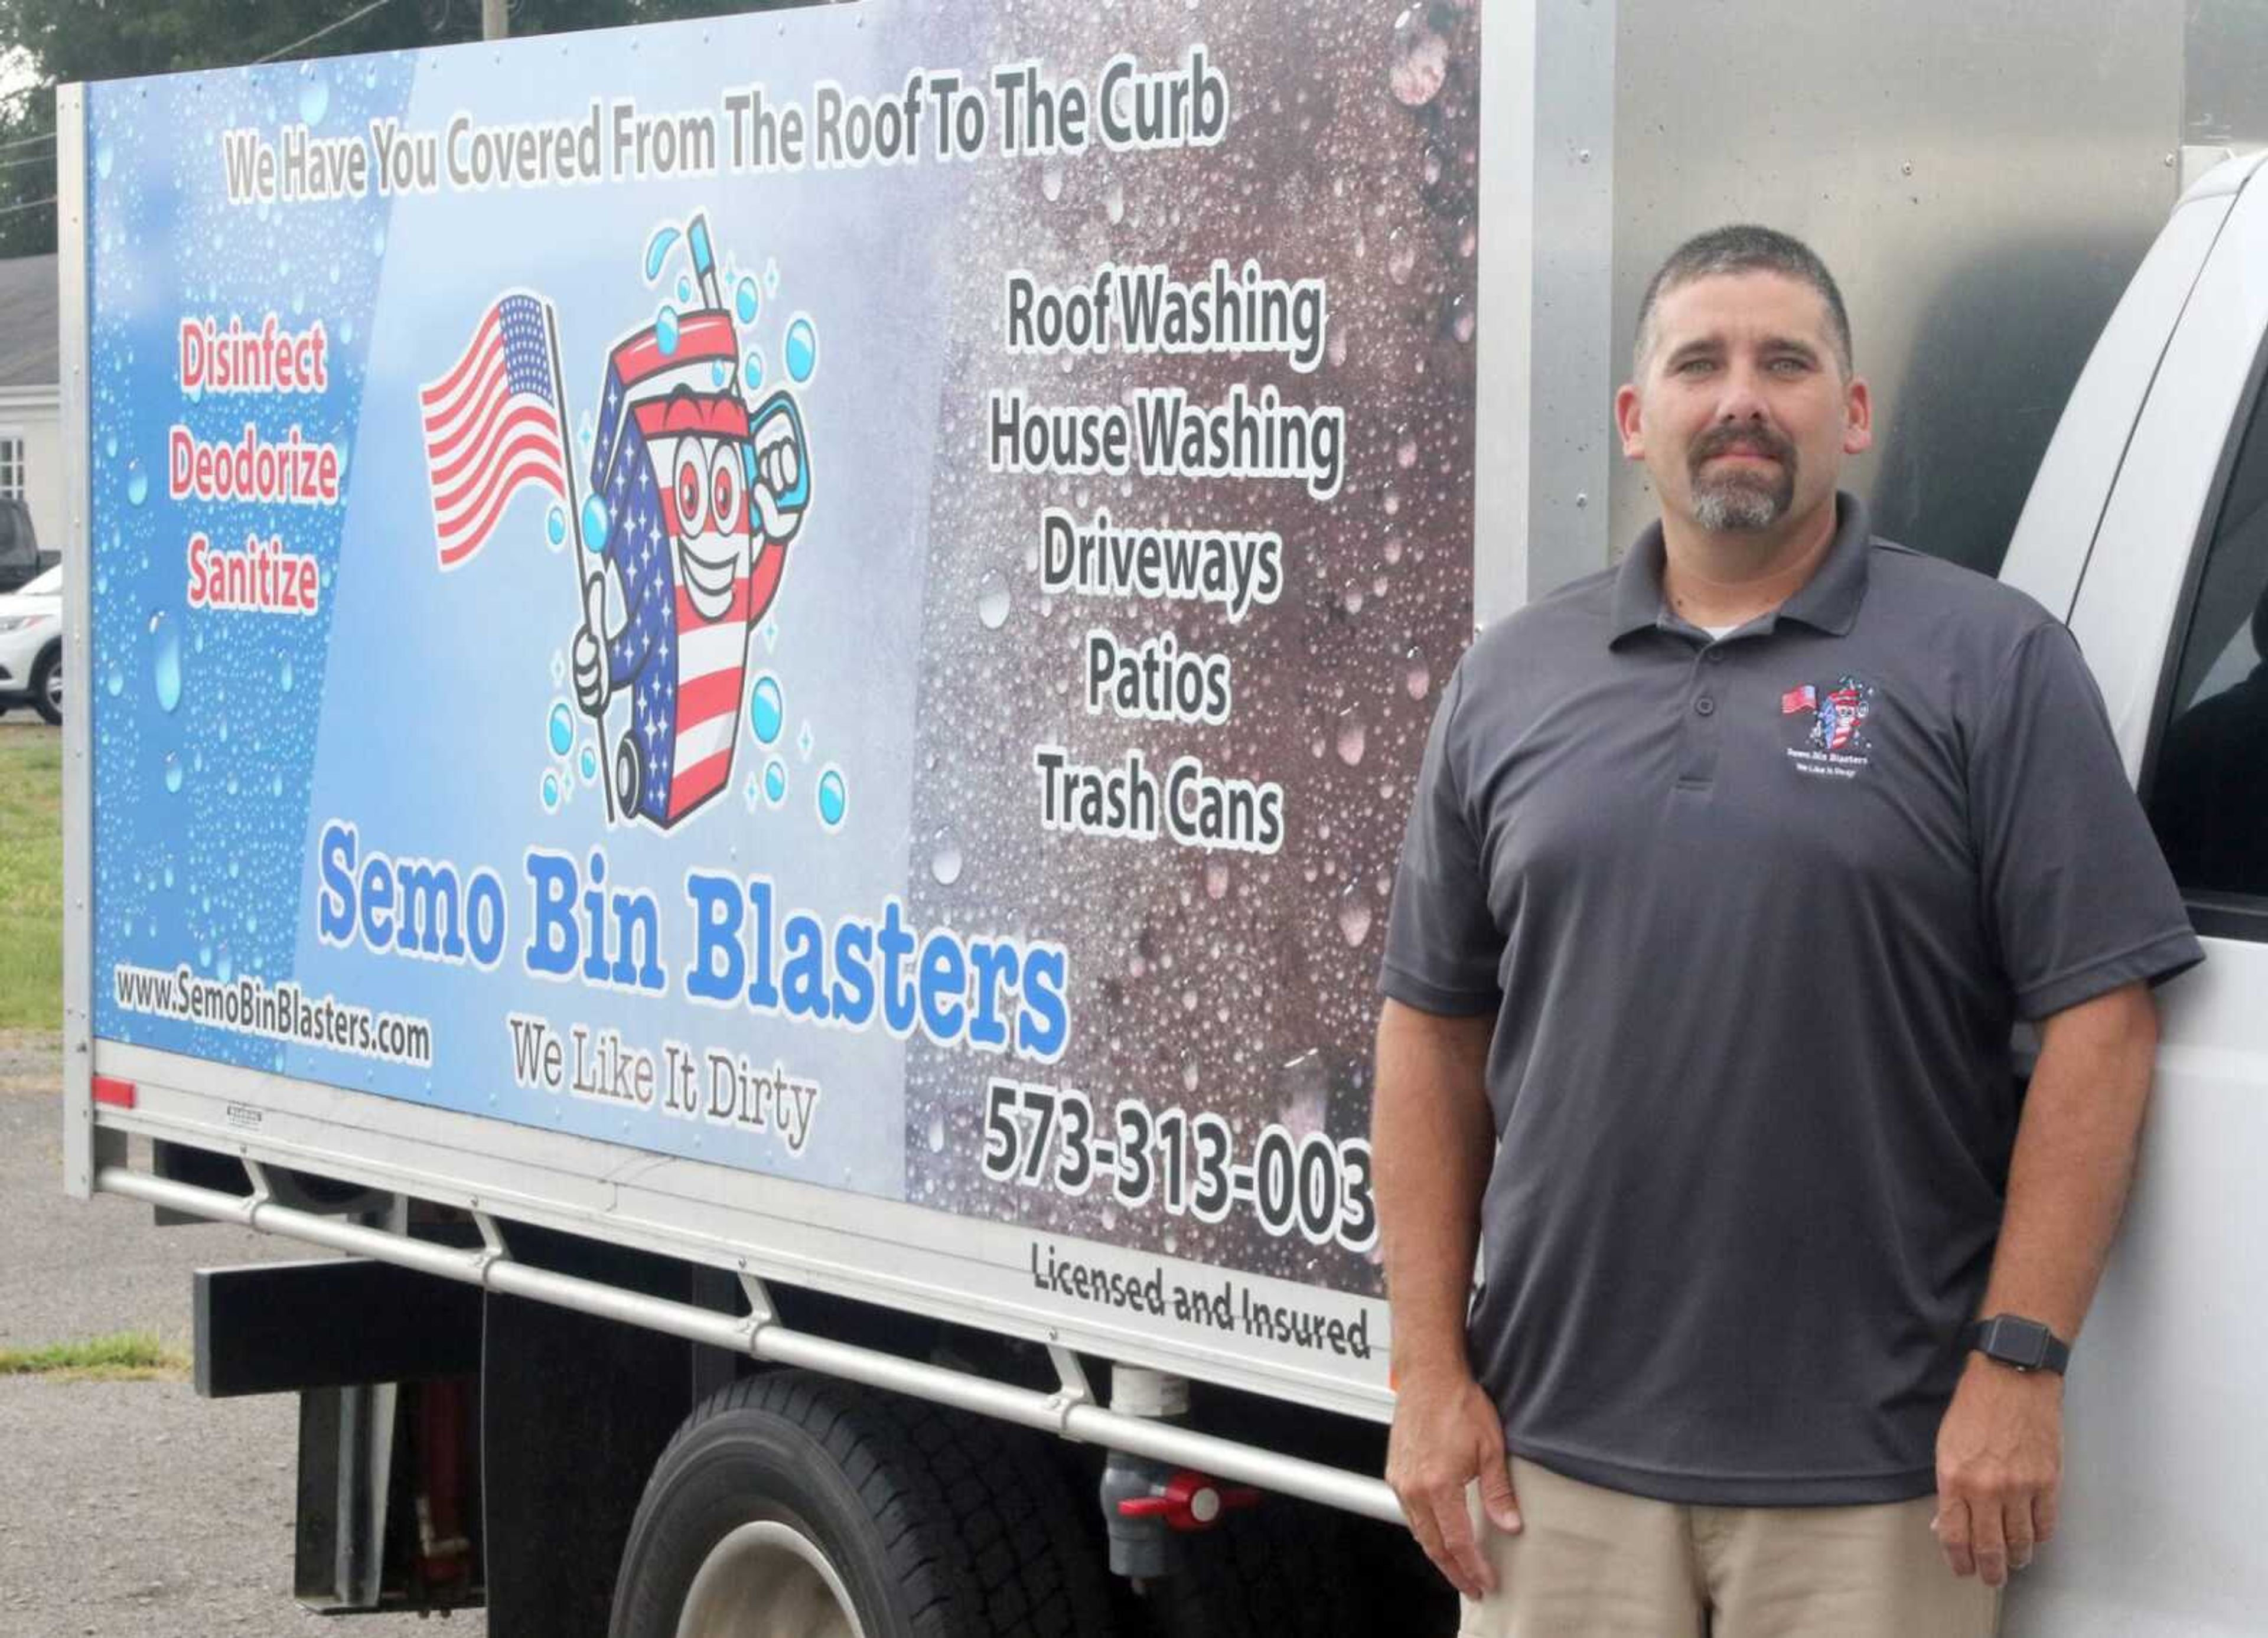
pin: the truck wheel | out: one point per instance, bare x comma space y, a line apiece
1294, 1566
790, 1504
48, 686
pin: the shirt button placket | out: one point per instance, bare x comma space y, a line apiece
1696, 767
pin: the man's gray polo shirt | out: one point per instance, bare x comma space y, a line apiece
1755, 918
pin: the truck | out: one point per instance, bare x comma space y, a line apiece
751, 684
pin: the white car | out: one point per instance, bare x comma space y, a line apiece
32, 645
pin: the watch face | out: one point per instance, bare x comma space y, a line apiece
2020, 1342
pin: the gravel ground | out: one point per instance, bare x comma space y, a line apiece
133, 1510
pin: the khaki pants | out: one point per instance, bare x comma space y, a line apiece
1593, 1563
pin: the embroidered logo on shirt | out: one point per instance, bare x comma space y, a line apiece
1835, 743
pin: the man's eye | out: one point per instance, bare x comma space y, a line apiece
1693, 366
1790, 365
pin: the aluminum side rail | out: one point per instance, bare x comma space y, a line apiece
1068, 1411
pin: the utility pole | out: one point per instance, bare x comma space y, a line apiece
494, 24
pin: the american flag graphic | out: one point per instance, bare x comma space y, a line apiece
663, 419
492, 423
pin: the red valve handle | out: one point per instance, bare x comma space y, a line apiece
1189, 1501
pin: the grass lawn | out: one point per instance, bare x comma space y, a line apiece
31, 878
123, 1357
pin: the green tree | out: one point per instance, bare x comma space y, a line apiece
57, 42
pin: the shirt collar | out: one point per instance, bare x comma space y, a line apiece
1829, 601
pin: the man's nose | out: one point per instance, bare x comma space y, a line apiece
1742, 398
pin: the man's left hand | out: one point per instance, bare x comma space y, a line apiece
1999, 1463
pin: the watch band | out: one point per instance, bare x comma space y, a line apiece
2017, 1341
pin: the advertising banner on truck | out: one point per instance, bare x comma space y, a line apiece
849, 594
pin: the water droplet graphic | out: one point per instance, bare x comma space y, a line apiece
657, 251
283, 675
1354, 919
275, 784
751, 369
377, 241
563, 730
105, 156
227, 971
1420, 677
550, 793
315, 99
992, 602
834, 797
767, 710
165, 661
169, 876
944, 864
110, 445
590, 764
1216, 879
1351, 740
1051, 182
1113, 201
802, 350
937, 1132
137, 485
554, 525
1421, 65
172, 771
595, 525
1189, 1077
775, 782
684, 288
745, 301
665, 331
114, 684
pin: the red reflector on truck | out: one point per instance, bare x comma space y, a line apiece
118, 1094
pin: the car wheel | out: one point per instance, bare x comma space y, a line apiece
48, 686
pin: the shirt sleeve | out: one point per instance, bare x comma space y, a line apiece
2076, 891
1442, 945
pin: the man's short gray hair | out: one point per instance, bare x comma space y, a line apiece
1742, 248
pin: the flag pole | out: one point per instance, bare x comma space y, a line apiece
591, 588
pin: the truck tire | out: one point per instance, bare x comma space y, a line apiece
1295, 1567
48, 686
794, 1503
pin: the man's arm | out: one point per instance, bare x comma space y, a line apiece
2000, 1451
1433, 1140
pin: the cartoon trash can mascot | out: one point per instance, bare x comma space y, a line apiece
703, 497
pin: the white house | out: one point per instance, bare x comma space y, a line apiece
31, 410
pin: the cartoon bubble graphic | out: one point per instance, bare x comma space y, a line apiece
834, 797
165, 661
684, 288
138, 486
595, 523
554, 526
746, 302
775, 780
992, 602
589, 764
657, 251
563, 730
751, 369
315, 99
551, 793
767, 710
665, 331
802, 350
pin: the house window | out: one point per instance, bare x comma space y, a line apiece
11, 466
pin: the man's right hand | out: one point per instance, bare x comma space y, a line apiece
1446, 1434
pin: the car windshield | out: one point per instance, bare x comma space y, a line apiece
49, 585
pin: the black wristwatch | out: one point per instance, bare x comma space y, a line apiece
2025, 1344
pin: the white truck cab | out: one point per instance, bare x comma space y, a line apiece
2147, 531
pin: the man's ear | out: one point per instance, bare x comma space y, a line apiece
1858, 417
1627, 422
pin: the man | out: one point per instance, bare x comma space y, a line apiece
1729, 872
